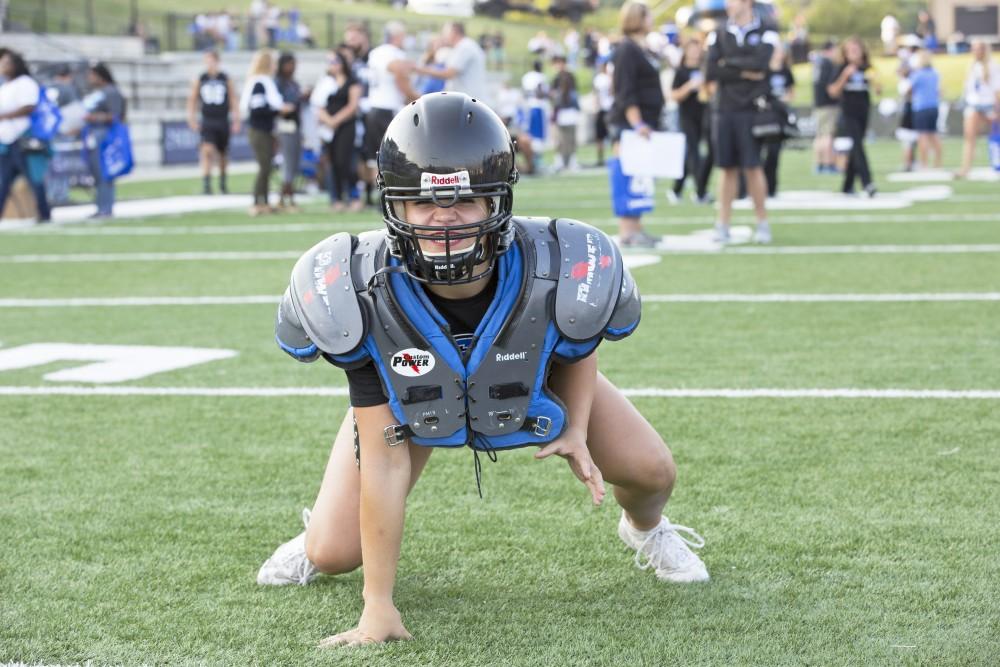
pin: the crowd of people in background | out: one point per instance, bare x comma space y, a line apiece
707, 84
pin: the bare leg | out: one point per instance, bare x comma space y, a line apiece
757, 187
333, 539
970, 126
205, 157
936, 151
727, 193
922, 149
627, 226
631, 455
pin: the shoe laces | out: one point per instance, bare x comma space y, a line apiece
667, 547
295, 562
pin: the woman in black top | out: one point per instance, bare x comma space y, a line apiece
687, 91
339, 115
638, 101
852, 87
261, 101
782, 83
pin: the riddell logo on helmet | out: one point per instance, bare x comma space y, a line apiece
459, 179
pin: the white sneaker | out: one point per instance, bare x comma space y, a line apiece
288, 564
721, 233
663, 548
763, 233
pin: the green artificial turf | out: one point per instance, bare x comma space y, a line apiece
839, 531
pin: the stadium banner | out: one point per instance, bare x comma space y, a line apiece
179, 144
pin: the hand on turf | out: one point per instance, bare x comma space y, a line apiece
572, 446
379, 623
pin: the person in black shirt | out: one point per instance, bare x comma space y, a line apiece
339, 115
824, 109
782, 83
212, 93
638, 103
688, 91
738, 57
262, 102
852, 87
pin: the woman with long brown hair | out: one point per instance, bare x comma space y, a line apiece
853, 87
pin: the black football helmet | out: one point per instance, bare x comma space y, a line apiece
445, 148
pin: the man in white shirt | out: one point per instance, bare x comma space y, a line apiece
465, 69
389, 86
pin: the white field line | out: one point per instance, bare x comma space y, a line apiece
231, 256
821, 298
241, 256
272, 299
336, 225
638, 392
864, 249
85, 302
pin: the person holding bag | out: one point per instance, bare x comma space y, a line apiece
19, 97
105, 108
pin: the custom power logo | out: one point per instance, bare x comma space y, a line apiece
412, 362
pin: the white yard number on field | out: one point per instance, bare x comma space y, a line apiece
112, 363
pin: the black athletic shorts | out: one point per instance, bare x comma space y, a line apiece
601, 125
376, 123
733, 140
217, 135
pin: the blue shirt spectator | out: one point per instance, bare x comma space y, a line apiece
925, 89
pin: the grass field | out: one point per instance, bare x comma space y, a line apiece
839, 530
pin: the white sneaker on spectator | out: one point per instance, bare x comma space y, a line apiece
288, 564
763, 233
721, 233
664, 549
672, 197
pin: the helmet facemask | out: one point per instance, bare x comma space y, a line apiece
457, 261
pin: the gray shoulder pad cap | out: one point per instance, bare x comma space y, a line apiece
323, 297
590, 280
628, 311
290, 335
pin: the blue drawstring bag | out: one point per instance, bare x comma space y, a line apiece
46, 118
994, 146
115, 151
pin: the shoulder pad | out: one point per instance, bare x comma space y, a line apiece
538, 240
323, 297
590, 280
628, 310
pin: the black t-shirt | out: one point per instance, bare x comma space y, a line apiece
462, 316
261, 115
636, 82
855, 99
340, 99
690, 106
823, 76
214, 94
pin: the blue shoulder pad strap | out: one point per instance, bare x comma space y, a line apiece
590, 280
323, 297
